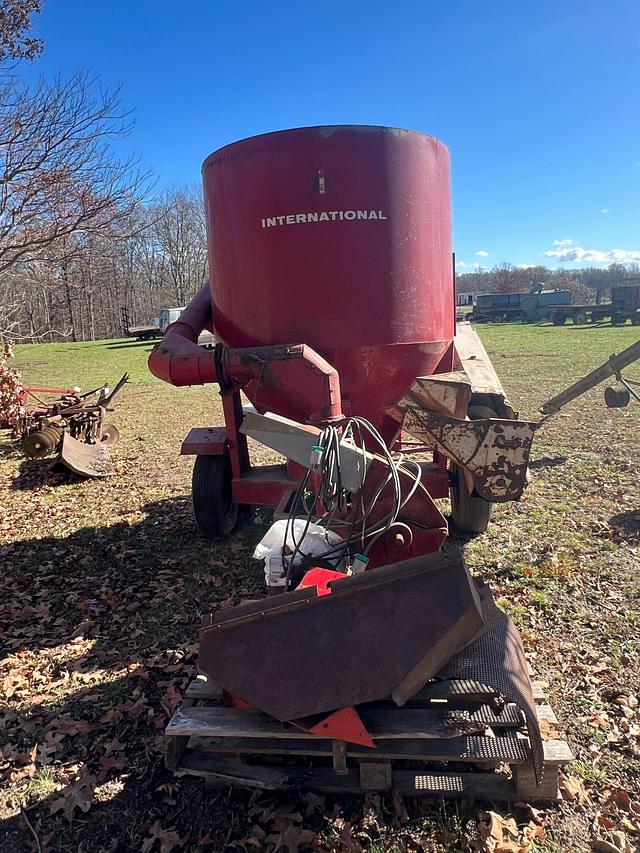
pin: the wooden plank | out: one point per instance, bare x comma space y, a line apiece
475, 362
538, 692
376, 775
487, 787
203, 689
527, 788
458, 695
231, 772
557, 752
546, 713
504, 748
217, 720
339, 749
175, 746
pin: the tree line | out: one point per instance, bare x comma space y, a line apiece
82, 232
588, 285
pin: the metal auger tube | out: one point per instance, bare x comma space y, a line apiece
612, 367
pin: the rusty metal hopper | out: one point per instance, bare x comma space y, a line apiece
383, 633
87, 460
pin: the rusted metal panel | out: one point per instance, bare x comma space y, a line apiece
268, 652
446, 393
494, 451
87, 460
205, 440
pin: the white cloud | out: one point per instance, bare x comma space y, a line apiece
605, 210
461, 264
566, 251
481, 253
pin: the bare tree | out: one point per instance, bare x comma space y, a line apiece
507, 279
181, 237
15, 21
59, 176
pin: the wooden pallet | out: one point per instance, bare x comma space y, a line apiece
228, 746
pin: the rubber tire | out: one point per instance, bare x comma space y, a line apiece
470, 513
580, 318
558, 319
214, 511
618, 320
635, 319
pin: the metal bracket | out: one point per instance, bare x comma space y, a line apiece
494, 451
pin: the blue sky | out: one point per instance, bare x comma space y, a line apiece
539, 102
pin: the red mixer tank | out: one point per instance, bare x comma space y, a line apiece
339, 238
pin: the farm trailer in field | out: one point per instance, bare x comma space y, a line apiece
624, 305
531, 307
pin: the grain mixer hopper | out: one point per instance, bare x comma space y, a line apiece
332, 300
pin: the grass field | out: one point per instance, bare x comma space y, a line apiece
103, 583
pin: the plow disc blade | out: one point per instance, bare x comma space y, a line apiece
382, 633
87, 460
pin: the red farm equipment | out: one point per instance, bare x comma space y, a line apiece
332, 301
68, 425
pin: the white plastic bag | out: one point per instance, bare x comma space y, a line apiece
316, 542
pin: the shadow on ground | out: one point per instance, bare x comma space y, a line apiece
103, 640
133, 344
548, 462
626, 525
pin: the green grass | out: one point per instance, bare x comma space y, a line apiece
555, 355
88, 364
567, 352
42, 784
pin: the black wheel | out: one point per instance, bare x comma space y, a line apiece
558, 319
469, 512
579, 318
635, 319
617, 397
214, 510
618, 320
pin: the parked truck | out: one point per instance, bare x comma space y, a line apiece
516, 307
156, 328
624, 305
159, 325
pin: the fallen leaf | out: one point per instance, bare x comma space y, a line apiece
168, 838
573, 790
78, 795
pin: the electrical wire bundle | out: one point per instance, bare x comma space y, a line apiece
362, 531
